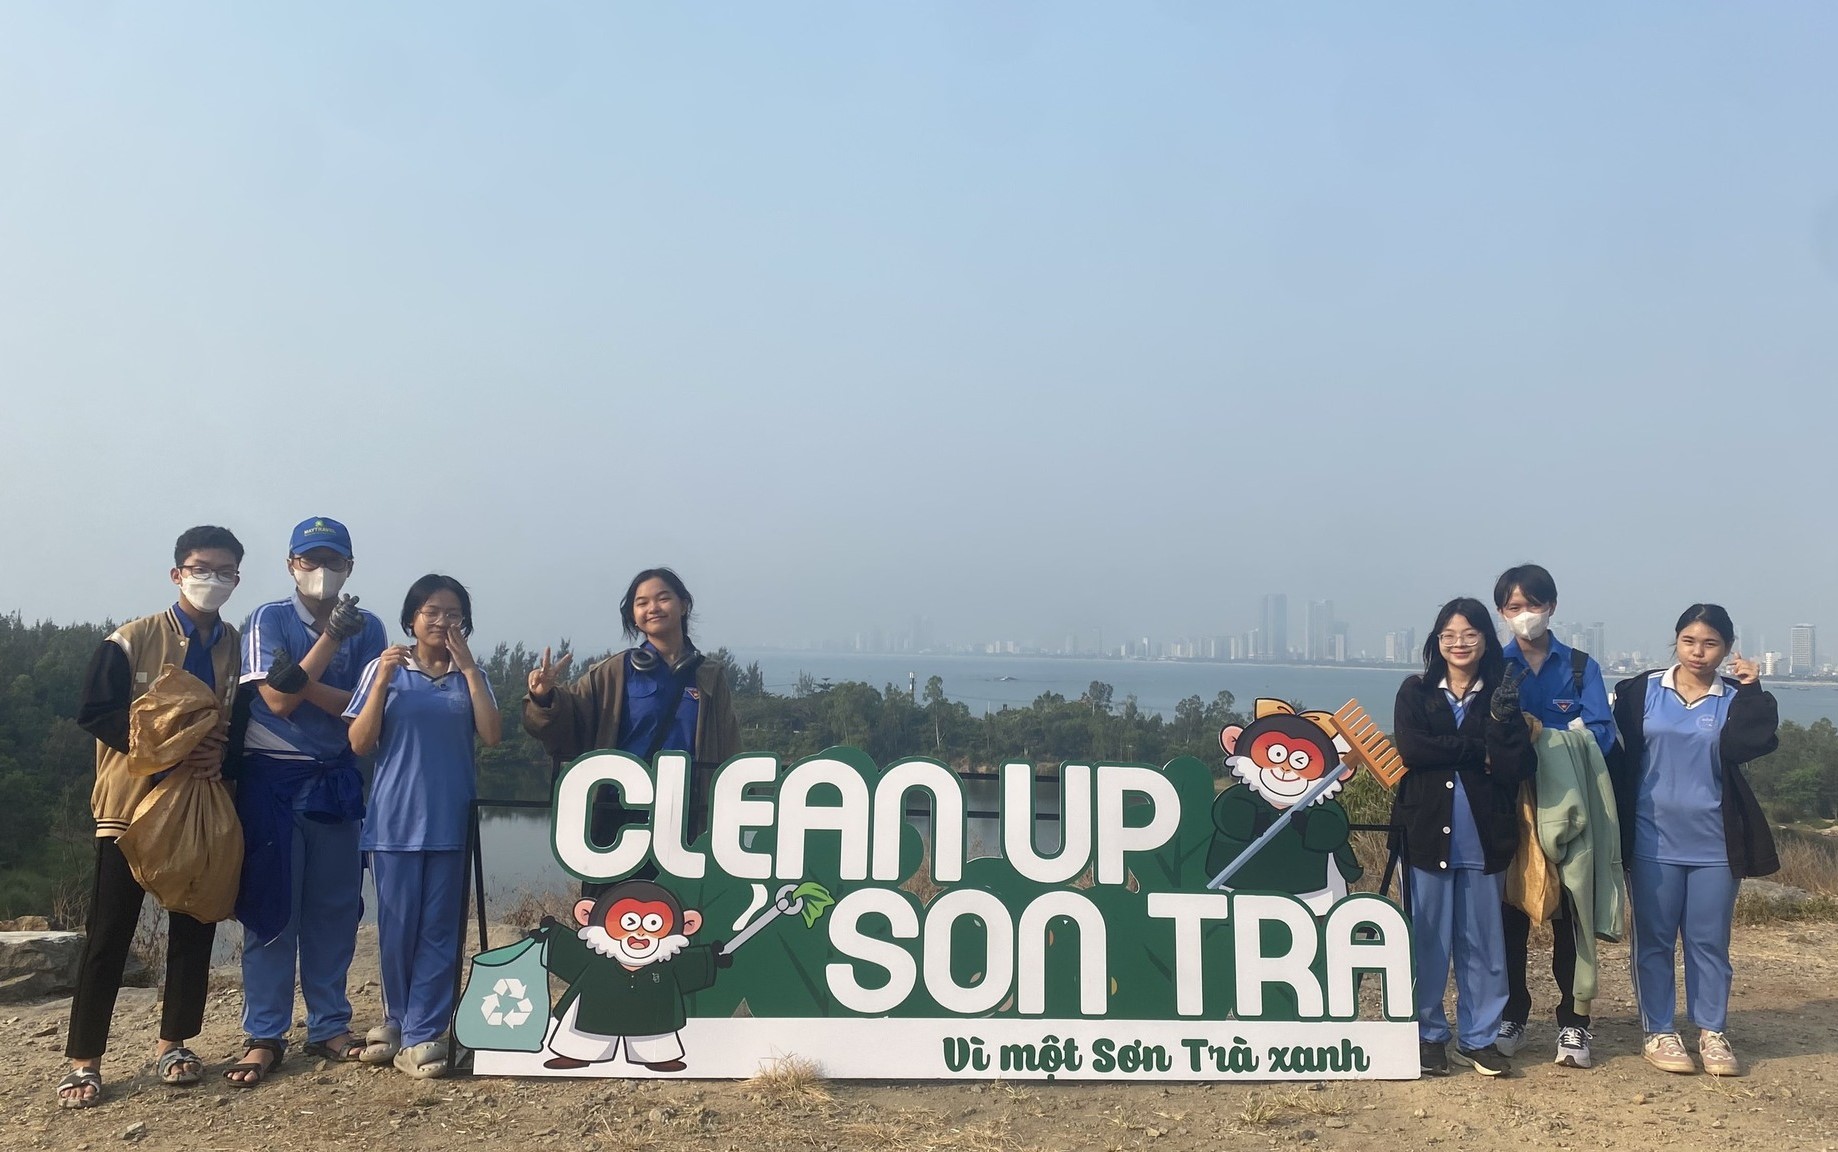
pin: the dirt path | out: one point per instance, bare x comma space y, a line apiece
1784, 1022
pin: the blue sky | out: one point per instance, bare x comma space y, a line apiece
1033, 318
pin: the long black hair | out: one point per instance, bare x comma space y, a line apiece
1493, 657
675, 583
1713, 615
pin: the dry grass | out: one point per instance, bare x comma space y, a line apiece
790, 1081
529, 906
1808, 864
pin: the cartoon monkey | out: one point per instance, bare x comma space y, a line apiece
627, 968
1277, 758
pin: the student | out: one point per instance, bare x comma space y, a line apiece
1691, 827
191, 635
419, 710
661, 695
1466, 747
1562, 688
301, 802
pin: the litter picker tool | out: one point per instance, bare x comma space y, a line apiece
809, 900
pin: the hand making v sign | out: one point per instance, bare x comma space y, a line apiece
545, 676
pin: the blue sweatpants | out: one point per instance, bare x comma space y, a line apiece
419, 911
1455, 915
321, 934
1697, 903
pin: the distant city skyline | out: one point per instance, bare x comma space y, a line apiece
1324, 642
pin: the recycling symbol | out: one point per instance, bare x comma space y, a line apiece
493, 1006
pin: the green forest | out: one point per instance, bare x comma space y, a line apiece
47, 762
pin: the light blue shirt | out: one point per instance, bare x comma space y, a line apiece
310, 733
1464, 836
1678, 807
426, 776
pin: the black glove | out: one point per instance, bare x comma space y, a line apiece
284, 675
723, 959
345, 621
1505, 702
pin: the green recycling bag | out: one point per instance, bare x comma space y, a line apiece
505, 1007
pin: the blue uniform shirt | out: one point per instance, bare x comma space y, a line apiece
1464, 836
426, 779
1550, 693
646, 695
198, 655
310, 733
1678, 807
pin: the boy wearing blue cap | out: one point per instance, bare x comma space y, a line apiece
301, 804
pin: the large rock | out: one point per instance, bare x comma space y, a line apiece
34, 965
1775, 895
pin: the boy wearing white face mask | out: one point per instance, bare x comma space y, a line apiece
1563, 688
301, 803
191, 635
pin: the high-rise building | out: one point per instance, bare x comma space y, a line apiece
1802, 651
1317, 628
1274, 634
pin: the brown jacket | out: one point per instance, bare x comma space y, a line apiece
148, 645
584, 716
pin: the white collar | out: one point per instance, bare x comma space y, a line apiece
412, 665
1472, 689
1669, 679
304, 613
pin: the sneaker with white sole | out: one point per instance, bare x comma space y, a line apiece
1718, 1057
1573, 1048
1487, 1061
1666, 1052
1511, 1038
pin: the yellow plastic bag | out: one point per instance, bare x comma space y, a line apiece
1532, 885
170, 718
185, 846
184, 843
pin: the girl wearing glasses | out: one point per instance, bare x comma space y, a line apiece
1466, 747
420, 709
1691, 828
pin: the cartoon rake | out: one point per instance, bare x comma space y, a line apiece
809, 900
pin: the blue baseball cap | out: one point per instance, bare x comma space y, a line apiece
320, 532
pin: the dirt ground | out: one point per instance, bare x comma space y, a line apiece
1784, 1024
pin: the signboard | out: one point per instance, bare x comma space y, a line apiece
814, 920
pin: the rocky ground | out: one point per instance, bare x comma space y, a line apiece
1784, 1024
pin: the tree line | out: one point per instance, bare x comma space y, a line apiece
47, 763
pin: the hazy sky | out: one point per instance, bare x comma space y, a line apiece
1034, 318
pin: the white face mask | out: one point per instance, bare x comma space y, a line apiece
320, 583
1529, 625
206, 593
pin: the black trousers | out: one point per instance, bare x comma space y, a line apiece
1563, 965
114, 912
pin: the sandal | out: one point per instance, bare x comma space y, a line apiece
424, 1061
381, 1044
277, 1048
352, 1049
172, 1067
70, 1092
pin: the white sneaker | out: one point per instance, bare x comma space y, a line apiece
1573, 1048
1511, 1038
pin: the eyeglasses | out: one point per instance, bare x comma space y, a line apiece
206, 572
1458, 639
433, 615
339, 565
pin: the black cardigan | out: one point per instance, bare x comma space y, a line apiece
1750, 732
1491, 756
